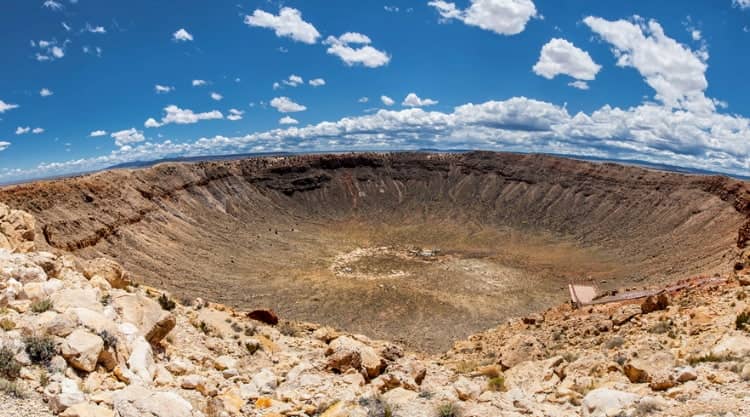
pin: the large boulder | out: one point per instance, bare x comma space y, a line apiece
108, 269
346, 353
81, 349
605, 402
152, 321
17, 230
732, 345
65, 396
137, 401
656, 369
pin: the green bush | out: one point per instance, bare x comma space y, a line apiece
41, 306
41, 349
9, 366
11, 388
447, 410
496, 384
742, 319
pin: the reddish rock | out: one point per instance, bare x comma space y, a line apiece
264, 316
655, 303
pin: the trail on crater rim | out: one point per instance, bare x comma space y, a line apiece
511, 231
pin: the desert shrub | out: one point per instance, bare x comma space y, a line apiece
496, 384
742, 319
106, 298
7, 324
236, 327
41, 349
661, 327
11, 388
9, 366
110, 341
40, 306
709, 358
288, 329
447, 410
166, 303
44, 378
647, 406
614, 342
376, 407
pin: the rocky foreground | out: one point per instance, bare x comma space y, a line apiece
80, 339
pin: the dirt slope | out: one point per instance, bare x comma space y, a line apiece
337, 239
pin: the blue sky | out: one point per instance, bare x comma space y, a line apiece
632, 80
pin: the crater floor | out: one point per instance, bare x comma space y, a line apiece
419, 248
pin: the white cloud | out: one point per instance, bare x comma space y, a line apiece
235, 115
387, 100
413, 100
361, 53
163, 89
66, 27
22, 130
696, 34
286, 105
95, 29
127, 137
649, 132
4, 145
97, 133
292, 81
581, 85
180, 116
37, 130
216, 96
52, 5
45, 92
182, 35
317, 82
363, 99
742, 4
286, 120
505, 17
391, 9
151, 122
673, 70
288, 23
199, 83
276, 86
558, 56
7, 106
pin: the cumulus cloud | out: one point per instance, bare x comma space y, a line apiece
182, 35
216, 96
286, 120
22, 130
127, 137
387, 100
413, 100
581, 85
4, 145
363, 99
286, 105
37, 130
49, 50
199, 83
354, 48
45, 92
97, 133
317, 82
288, 24
505, 17
174, 114
558, 56
235, 115
742, 4
163, 89
649, 132
7, 106
292, 81
673, 70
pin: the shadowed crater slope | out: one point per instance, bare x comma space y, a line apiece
419, 248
